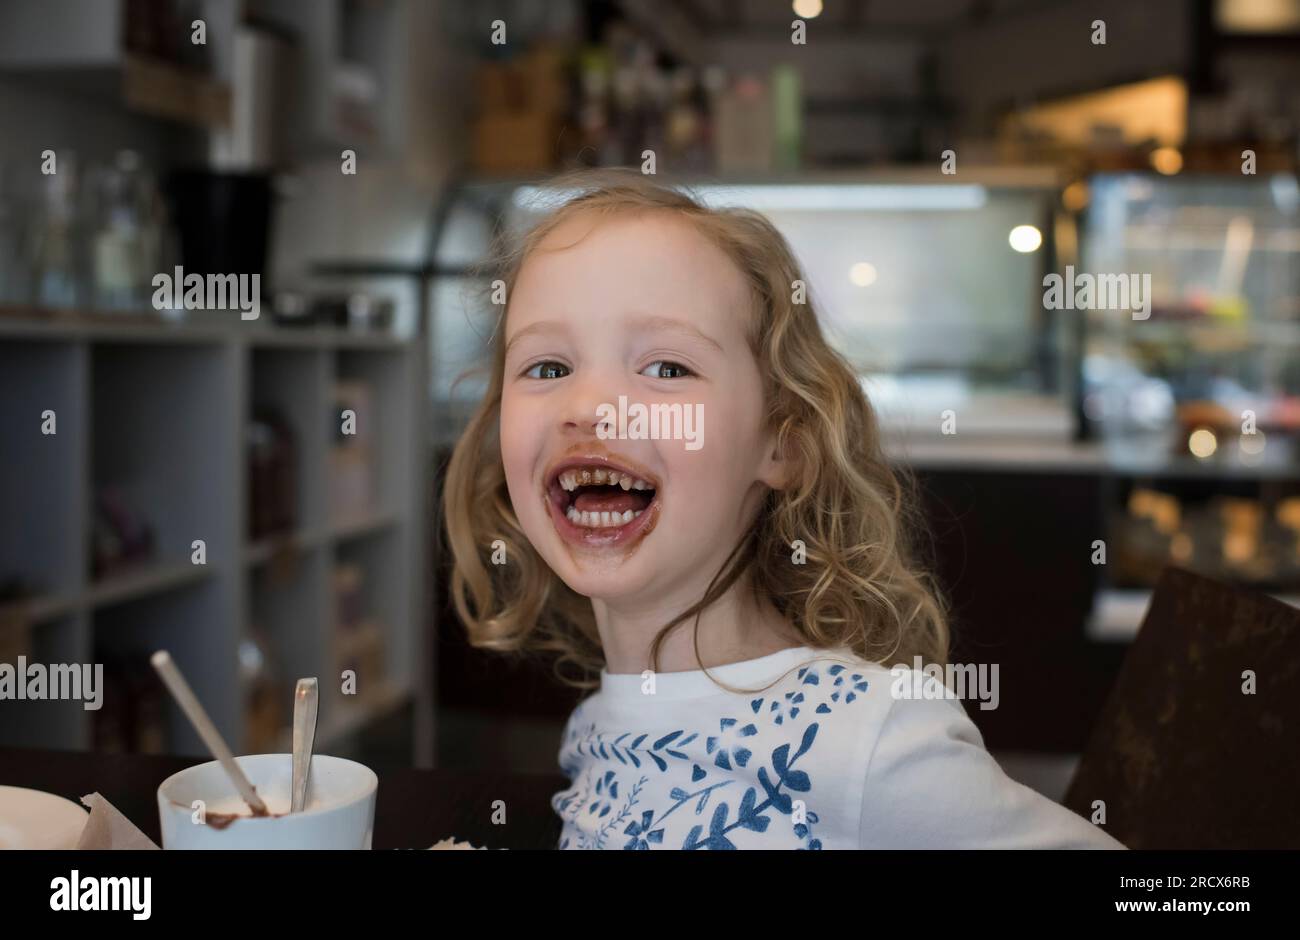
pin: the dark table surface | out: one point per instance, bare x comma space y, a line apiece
414, 808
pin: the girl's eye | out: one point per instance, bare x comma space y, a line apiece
667, 370
548, 370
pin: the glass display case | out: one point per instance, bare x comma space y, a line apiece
920, 284
1208, 373
1194, 389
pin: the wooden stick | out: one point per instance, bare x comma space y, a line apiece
185, 698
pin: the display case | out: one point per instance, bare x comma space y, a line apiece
1205, 371
916, 277
1193, 388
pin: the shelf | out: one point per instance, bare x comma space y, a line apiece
147, 327
149, 579
1262, 334
38, 609
160, 89
375, 267
271, 547
1118, 613
123, 328
1148, 466
322, 337
305, 540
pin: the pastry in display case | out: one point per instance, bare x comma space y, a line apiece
1247, 540
1209, 372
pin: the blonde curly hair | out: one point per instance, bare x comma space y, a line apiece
861, 587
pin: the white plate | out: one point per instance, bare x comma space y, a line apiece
32, 819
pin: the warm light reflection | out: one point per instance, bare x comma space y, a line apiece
1202, 443
1075, 196
807, 9
863, 274
1167, 160
1025, 238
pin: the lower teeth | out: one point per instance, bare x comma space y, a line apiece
601, 520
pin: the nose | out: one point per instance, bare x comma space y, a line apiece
580, 413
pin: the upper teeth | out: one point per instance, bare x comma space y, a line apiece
572, 479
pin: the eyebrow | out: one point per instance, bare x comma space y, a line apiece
647, 324
673, 325
542, 326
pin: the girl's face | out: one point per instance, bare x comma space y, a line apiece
617, 316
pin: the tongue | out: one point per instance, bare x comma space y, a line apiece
610, 499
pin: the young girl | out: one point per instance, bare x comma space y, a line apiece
735, 572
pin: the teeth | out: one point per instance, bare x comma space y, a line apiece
601, 520
570, 480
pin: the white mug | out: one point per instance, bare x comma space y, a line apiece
201, 809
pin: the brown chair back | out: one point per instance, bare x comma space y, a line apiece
1182, 755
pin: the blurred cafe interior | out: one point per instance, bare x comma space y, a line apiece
930, 163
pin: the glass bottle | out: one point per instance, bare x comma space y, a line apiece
56, 237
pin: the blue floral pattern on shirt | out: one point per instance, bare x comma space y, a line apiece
603, 815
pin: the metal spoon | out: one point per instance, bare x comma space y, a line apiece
305, 701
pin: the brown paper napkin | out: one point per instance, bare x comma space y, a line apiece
107, 828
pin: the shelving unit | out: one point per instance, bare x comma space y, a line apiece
160, 412
75, 46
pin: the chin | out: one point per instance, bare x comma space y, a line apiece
603, 579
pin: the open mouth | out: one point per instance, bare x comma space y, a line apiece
596, 502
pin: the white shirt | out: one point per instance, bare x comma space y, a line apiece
826, 758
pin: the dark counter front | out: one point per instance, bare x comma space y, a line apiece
1012, 552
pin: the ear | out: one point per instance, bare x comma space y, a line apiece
775, 468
